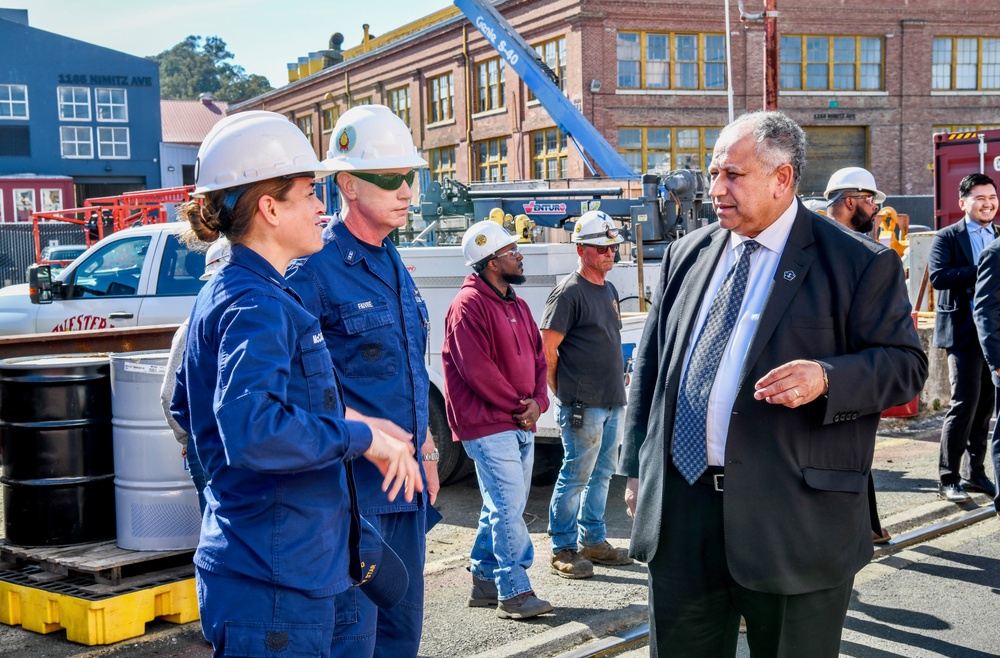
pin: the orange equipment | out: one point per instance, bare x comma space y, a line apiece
102, 216
892, 231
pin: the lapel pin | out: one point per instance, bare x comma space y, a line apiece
789, 275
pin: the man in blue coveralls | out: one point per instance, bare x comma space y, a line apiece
375, 324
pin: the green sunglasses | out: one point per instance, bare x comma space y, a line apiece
389, 182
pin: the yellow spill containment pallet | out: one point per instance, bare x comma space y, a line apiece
92, 618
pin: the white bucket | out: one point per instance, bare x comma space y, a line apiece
155, 500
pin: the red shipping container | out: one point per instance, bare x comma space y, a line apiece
956, 155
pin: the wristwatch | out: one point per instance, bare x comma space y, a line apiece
432, 456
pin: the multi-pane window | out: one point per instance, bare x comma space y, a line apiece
665, 60
966, 63
74, 103
111, 104
112, 143
305, 124
330, 116
491, 85
367, 100
660, 150
553, 55
492, 159
399, 103
831, 63
76, 141
442, 163
549, 154
441, 98
13, 101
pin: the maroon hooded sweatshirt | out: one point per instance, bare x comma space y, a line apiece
492, 359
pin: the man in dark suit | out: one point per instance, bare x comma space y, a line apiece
952, 266
775, 341
986, 315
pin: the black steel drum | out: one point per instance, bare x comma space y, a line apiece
56, 446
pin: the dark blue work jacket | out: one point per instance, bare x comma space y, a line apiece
257, 391
376, 332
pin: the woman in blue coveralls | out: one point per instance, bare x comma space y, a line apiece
258, 392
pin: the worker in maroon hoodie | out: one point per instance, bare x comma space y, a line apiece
495, 389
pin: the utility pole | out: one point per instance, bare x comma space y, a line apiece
770, 55
770, 18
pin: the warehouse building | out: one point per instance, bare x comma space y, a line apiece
72, 109
870, 83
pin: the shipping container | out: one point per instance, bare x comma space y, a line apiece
956, 155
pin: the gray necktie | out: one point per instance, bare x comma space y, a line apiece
690, 449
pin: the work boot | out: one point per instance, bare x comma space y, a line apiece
568, 564
523, 606
484, 593
605, 553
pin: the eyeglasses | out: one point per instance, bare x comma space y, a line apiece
870, 198
513, 253
604, 248
389, 182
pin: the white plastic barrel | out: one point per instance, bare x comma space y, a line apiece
155, 500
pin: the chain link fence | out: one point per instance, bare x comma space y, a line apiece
17, 246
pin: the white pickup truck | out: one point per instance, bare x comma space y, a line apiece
135, 277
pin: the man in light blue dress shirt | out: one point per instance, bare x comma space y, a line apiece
952, 267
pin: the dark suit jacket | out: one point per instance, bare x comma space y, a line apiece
953, 273
795, 501
987, 312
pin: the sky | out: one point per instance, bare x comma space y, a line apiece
264, 35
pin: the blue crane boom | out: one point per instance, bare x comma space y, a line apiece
523, 59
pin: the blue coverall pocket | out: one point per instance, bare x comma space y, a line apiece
317, 366
260, 640
371, 344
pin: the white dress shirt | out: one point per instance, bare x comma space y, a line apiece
763, 264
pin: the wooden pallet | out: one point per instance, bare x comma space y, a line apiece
102, 563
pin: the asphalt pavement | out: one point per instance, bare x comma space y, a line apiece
906, 480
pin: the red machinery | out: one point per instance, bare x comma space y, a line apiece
105, 215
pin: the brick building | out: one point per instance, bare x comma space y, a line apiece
870, 83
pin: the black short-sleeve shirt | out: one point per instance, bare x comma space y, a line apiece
591, 366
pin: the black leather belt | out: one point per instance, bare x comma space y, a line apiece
714, 477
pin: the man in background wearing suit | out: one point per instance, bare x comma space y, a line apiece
952, 267
775, 341
986, 315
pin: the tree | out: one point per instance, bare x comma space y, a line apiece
189, 69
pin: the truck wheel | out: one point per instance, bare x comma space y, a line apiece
453, 464
548, 461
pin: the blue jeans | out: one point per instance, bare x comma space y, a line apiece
502, 550
576, 512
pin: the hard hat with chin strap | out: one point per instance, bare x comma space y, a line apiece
483, 240
855, 179
596, 227
250, 147
369, 138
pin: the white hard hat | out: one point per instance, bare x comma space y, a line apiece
483, 240
217, 255
251, 147
596, 227
852, 178
371, 137
815, 205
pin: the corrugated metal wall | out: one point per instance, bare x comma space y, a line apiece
17, 246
